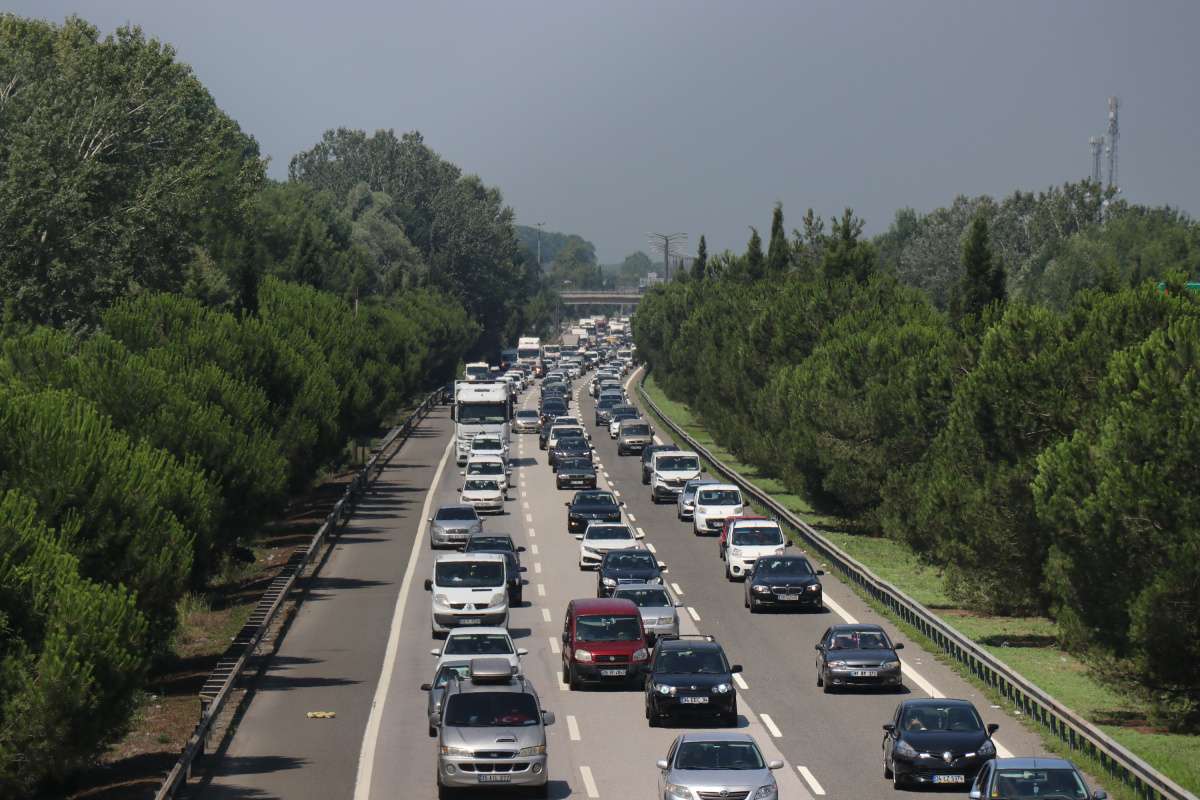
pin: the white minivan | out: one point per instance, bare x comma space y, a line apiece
714, 503
669, 471
468, 589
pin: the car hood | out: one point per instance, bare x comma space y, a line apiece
704, 681
783, 580
624, 573
480, 494
657, 611
498, 738
580, 470
715, 780
862, 655
941, 741
589, 510
604, 545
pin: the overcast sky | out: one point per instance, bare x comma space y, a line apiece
614, 119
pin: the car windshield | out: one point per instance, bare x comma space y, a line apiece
489, 543
606, 628
468, 574
720, 497
607, 402
527, 413
609, 532
478, 644
601, 499
692, 661
482, 413
572, 443
481, 485
859, 640
443, 676
566, 433
637, 560
757, 536
784, 567
645, 598
486, 443
941, 718
636, 430
575, 463
719, 755
678, 463
485, 468
491, 709
456, 514
1037, 784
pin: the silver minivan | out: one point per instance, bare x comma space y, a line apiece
633, 435
491, 731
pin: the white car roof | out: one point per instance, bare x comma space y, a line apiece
485, 458
712, 487
676, 454
469, 557
470, 629
755, 523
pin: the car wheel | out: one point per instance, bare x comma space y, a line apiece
887, 771
543, 790
520, 596
432, 732
898, 781
827, 686
573, 679
728, 574
753, 606
730, 719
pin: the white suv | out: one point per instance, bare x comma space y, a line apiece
669, 471
714, 503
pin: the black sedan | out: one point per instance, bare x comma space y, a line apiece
591, 506
569, 447
690, 677
627, 566
936, 741
858, 655
783, 582
578, 473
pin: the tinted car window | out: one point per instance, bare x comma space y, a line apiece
488, 709
629, 560
859, 640
702, 662
757, 536
688, 463
941, 718
603, 628
718, 755
456, 514
797, 567
636, 430
645, 598
478, 644
608, 533
469, 574
489, 543
600, 499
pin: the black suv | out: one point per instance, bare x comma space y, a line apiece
690, 676
575, 472
626, 566
591, 506
648, 458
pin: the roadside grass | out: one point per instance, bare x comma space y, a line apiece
1027, 644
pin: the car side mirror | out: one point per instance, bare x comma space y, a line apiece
459, 490
818, 647
663, 567
898, 646
787, 543
567, 504
429, 520
524, 569
425, 687
992, 728
735, 668
622, 502
520, 548
524, 581
429, 584
1099, 794
435, 652
820, 572
661, 763
889, 727
521, 651
777, 764
547, 717
566, 637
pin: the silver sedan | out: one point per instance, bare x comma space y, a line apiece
716, 765
659, 610
451, 526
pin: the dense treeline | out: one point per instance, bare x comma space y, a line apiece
1038, 444
185, 343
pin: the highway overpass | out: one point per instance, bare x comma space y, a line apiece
601, 298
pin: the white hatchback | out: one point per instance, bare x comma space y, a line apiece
600, 537
714, 503
748, 540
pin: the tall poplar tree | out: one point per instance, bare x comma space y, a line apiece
779, 254
700, 265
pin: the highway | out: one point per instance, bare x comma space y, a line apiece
360, 647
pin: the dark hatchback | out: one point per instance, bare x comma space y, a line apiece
626, 566
569, 447
783, 582
648, 458
577, 473
858, 655
690, 677
936, 741
591, 506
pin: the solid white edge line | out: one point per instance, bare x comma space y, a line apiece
573, 728
770, 725
811, 780
740, 681
588, 782
366, 755
692, 612
919, 680
841, 612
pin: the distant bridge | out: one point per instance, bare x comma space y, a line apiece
616, 297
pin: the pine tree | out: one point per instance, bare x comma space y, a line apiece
700, 265
983, 279
755, 265
778, 252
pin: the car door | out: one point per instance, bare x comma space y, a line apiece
663, 773
979, 787
567, 640
889, 737
822, 656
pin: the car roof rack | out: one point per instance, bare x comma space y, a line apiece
491, 670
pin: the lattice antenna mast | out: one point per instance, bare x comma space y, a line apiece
1114, 106
669, 243
1097, 145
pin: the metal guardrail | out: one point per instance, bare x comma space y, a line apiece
1069, 727
220, 684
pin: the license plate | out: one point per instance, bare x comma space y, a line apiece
492, 777
470, 621
949, 778
695, 700
789, 597
864, 673
612, 673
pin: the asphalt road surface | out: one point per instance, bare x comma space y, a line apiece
360, 647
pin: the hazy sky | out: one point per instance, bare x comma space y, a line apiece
613, 119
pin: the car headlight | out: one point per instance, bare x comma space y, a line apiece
610, 581
735, 552
837, 664
701, 510
890, 665
536, 750
816, 587
441, 599
583, 655
641, 654
761, 589
768, 792
987, 749
664, 689
499, 598
722, 688
448, 750
654, 579
677, 791
905, 749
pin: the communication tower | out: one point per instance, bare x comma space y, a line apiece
1114, 105
1097, 145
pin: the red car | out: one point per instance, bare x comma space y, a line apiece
728, 526
603, 641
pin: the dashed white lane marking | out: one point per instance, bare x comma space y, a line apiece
532, 534
529, 517
650, 546
537, 567
541, 590
632, 518
525, 494
573, 728
841, 612
657, 440
588, 782
692, 613
770, 725
740, 681
546, 617
533, 549
605, 474
616, 493
555, 647
525, 504
678, 591
811, 780
642, 532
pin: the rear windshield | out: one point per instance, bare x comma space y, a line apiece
478, 644
491, 709
489, 542
720, 497
456, 514
645, 598
678, 463
469, 574
636, 430
563, 433
756, 536
604, 628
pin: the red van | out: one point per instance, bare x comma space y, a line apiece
603, 641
